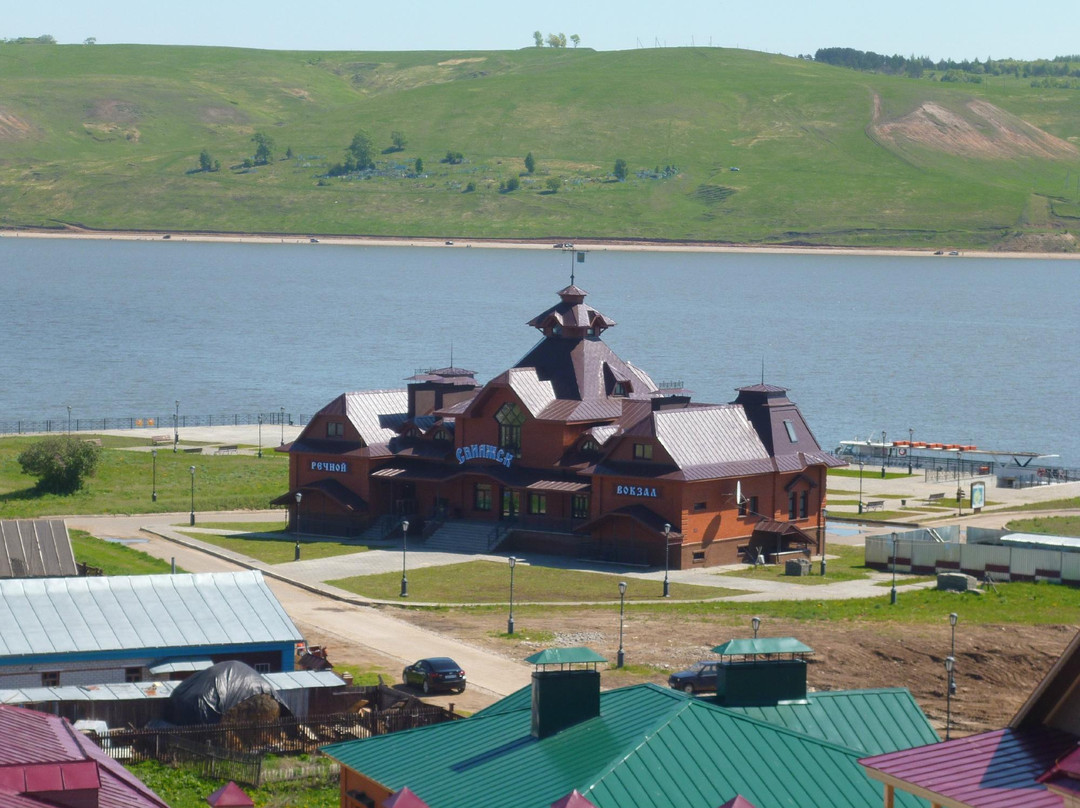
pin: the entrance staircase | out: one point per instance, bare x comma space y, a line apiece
460, 536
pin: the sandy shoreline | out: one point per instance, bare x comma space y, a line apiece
594, 245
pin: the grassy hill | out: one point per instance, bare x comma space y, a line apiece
108, 137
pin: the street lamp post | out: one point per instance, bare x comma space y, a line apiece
953, 617
176, 428
911, 440
949, 663
296, 548
622, 611
862, 463
667, 562
959, 490
892, 593
281, 417
260, 434
404, 550
69, 418
824, 530
510, 620
755, 623
192, 470
153, 488
883, 454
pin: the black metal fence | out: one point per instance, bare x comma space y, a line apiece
166, 424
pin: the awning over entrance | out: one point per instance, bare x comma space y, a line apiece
638, 513
786, 531
415, 473
333, 489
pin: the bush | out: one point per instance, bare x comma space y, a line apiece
61, 464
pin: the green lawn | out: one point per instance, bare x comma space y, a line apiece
489, 582
115, 558
124, 483
1051, 525
280, 549
277, 526
1013, 603
847, 566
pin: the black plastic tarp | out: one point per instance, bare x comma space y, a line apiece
208, 695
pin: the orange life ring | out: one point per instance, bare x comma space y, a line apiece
901, 451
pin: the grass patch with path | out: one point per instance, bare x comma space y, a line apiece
847, 565
1048, 525
489, 582
278, 550
116, 558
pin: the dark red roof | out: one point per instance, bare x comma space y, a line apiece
572, 800
738, 801
998, 769
405, 799
230, 795
42, 754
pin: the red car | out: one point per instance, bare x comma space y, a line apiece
436, 673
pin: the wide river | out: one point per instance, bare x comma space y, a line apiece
960, 350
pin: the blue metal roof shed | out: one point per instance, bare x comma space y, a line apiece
63, 621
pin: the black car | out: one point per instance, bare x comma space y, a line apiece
698, 677
436, 673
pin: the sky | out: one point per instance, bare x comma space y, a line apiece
957, 29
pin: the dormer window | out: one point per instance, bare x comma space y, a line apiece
590, 446
335, 429
790, 427
441, 434
620, 389
642, 451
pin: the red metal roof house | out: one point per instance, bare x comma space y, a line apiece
572, 450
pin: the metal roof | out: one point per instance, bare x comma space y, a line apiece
868, 721
997, 769
300, 680
564, 656
34, 740
377, 414
132, 612
35, 548
648, 746
534, 393
699, 436
179, 666
763, 645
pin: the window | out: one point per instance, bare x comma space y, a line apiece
748, 507
619, 389
699, 556
441, 434
510, 418
642, 451
482, 497
590, 446
132, 675
791, 505
359, 799
804, 504
700, 506
50, 679
262, 667
538, 504
335, 429
790, 427
579, 507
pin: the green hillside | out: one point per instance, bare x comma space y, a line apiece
109, 137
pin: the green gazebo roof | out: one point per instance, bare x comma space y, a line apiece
764, 645
564, 656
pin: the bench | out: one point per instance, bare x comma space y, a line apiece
874, 505
226, 450
930, 500
161, 439
192, 450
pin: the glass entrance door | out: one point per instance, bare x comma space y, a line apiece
511, 503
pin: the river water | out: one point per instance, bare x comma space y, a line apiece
960, 350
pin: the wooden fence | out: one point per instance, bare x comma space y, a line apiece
236, 751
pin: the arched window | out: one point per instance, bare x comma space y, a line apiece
510, 418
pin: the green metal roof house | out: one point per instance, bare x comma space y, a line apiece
643, 746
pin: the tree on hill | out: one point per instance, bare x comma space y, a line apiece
510, 185
530, 163
207, 162
538, 38
398, 139
361, 152
554, 184
453, 158
264, 148
575, 39
61, 464
621, 171
419, 166
556, 40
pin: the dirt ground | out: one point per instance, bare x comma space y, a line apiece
996, 668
